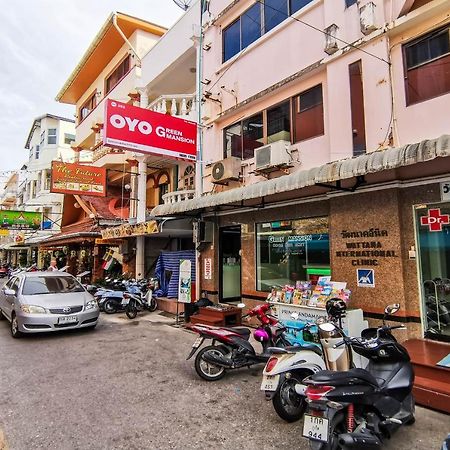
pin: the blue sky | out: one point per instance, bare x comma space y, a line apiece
41, 41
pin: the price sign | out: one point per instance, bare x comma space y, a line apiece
445, 190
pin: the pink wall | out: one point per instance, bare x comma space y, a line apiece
291, 47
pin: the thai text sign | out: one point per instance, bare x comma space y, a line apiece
139, 229
78, 179
20, 220
141, 130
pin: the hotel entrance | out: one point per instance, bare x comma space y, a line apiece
433, 245
230, 264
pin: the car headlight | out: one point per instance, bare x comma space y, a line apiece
32, 309
91, 304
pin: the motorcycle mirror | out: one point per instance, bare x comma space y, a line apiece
392, 309
327, 326
241, 305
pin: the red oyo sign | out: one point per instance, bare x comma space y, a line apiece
435, 220
141, 130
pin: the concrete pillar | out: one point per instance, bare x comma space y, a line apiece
143, 102
141, 215
43, 179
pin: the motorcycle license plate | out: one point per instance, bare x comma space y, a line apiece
315, 428
270, 382
197, 342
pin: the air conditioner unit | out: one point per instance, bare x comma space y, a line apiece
276, 154
226, 170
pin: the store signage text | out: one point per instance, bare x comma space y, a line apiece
435, 220
208, 269
146, 131
70, 178
365, 253
445, 190
20, 220
140, 229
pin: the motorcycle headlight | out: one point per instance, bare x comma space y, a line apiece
91, 304
32, 309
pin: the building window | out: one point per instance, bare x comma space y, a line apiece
69, 138
427, 66
279, 123
357, 108
87, 107
162, 190
119, 72
242, 138
37, 151
51, 136
308, 114
291, 250
189, 178
256, 21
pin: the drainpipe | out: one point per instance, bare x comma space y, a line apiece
116, 26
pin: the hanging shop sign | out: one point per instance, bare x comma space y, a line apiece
4, 232
141, 130
185, 282
20, 220
19, 238
435, 220
68, 178
123, 231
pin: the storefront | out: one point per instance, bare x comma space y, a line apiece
356, 221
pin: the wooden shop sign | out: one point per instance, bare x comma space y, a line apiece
123, 231
365, 252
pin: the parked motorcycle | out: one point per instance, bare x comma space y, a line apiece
360, 408
140, 300
284, 372
231, 348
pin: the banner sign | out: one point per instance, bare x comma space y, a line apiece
141, 130
185, 282
20, 220
123, 231
78, 179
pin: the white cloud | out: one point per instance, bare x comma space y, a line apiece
41, 41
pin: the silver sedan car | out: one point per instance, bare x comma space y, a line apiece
35, 302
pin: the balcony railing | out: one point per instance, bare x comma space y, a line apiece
178, 196
101, 150
175, 105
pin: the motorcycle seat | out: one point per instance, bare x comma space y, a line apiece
298, 348
352, 376
243, 331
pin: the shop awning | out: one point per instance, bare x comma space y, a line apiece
377, 161
13, 246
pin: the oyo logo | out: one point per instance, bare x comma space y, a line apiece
435, 220
118, 121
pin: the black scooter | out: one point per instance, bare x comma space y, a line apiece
360, 408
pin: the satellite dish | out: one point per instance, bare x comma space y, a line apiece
183, 4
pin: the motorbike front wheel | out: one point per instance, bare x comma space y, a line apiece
110, 306
152, 305
289, 405
131, 309
206, 370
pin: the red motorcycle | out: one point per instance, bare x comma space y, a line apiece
231, 348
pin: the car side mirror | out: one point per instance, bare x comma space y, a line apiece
9, 292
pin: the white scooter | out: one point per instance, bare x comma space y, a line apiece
285, 371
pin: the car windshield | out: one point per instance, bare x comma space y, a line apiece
51, 285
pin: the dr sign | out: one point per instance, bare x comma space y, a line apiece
141, 130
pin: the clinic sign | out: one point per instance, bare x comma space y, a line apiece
141, 130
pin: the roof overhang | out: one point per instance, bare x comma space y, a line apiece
101, 51
378, 167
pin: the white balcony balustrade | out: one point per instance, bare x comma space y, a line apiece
183, 105
178, 196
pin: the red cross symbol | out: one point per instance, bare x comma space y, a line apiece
435, 220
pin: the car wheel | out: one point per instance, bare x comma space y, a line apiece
15, 333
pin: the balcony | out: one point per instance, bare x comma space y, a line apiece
180, 105
100, 150
178, 196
